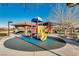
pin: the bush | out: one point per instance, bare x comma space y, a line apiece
78, 31
3, 34
77, 39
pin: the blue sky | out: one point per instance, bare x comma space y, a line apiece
20, 12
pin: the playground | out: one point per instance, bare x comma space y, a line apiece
35, 36
36, 30
36, 41
41, 31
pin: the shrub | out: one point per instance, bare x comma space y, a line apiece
77, 39
3, 34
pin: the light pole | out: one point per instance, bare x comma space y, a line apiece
9, 27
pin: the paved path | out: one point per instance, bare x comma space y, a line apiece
67, 50
4, 51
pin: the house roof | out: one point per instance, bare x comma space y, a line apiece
51, 23
22, 24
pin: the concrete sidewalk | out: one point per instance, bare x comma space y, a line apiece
67, 50
4, 51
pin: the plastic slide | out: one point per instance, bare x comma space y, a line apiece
42, 33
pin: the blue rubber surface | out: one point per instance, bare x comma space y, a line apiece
48, 44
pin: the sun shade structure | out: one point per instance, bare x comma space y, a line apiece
37, 19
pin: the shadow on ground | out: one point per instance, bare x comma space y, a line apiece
18, 44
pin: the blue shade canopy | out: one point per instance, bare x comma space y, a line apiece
37, 19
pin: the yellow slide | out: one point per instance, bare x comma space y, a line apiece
43, 35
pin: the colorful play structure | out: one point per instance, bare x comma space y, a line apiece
38, 31
42, 33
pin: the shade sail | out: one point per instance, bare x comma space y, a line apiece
37, 19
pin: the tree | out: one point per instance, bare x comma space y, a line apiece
66, 16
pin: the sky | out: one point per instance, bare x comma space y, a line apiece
19, 12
